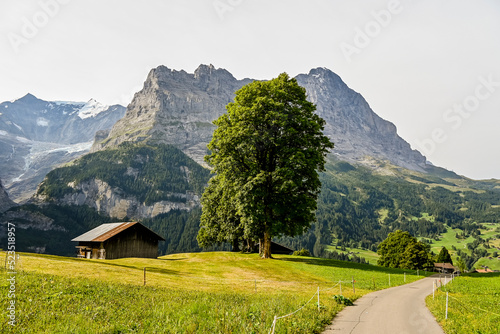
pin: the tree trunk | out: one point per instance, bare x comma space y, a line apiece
250, 246
236, 245
266, 247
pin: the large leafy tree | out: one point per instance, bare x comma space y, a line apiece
402, 250
266, 153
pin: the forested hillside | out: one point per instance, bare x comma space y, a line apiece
139, 177
148, 173
50, 228
358, 206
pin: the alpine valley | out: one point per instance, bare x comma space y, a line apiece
37, 135
149, 167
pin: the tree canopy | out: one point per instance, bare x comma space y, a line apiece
402, 250
444, 256
266, 153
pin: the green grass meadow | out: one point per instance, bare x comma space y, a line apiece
473, 304
218, 292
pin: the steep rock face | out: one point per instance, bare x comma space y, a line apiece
114, 202
176, 108
353, 126
37, 135
132, 180
5, 202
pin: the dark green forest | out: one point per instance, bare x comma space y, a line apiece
68, 223
149, 173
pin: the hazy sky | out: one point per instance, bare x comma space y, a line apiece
432, 67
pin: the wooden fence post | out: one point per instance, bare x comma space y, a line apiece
318, 298
446, 317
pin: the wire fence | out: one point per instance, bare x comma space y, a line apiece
376, 282
352, 282
453, 299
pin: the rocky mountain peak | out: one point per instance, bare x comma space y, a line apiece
178, 108
28, 100
352, 125
209, 71
204, 70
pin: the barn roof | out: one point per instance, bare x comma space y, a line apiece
444, 265
105, 231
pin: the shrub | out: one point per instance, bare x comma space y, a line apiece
302, 252
343, 300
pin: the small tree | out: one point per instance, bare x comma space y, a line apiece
444, 256
416, 256
391, 250
402, 250
462, 266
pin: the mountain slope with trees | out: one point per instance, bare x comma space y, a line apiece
358, 207
131, 180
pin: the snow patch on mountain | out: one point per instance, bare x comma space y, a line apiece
60, 103
40, 121
39, 150
91, 109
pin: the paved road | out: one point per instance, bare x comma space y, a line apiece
398, 310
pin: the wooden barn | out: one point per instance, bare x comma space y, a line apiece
118, 240
445, 268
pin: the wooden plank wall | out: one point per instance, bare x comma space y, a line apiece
133, 242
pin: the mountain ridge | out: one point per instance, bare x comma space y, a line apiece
178, 108
37, 135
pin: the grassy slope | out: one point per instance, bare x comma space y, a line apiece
370, 256
447, 239
198, 292
473, 306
